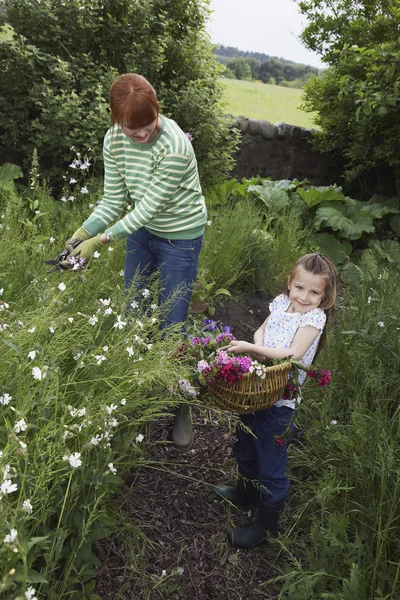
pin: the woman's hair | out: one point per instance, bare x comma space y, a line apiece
133, 101
323, 266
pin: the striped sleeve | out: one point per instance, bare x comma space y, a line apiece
114, 195
164, 185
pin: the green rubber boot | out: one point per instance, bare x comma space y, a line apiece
182, 433
257, 533
245, 493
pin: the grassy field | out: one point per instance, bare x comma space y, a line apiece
261, 101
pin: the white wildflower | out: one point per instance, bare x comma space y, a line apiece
38, 374
130, 351
96, 254
110, 249
149, 346
75, 460
5, 399
62, 286
99, 358
113, 470
70, 319
11, 537
30, 593
7, 487
1, 291
108, 311
93, 320
104, 301
27, 506
84, 190
123, 401
381, 324
209, 223
134, 304
52, 329
119, 323
139, 323
333, 422
52, 240
32, 329
32, 354
145, 293
122, 273
20, 426
153, 306
110, 409
139, 438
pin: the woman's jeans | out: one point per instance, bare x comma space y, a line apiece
262, 456
176, 261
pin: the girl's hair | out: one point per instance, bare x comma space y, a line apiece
323, 266
133, 101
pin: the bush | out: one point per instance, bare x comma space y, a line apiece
59, 66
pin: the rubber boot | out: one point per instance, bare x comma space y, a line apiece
182, 434
255, 534
245, 493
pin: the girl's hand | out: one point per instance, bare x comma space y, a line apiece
240, 347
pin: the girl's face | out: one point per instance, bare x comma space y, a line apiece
306, 290
143, 135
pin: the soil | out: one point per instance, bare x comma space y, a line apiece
180, 551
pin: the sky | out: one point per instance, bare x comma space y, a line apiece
268, 26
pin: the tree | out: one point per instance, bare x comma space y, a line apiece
239, 67
69, 52
358, 99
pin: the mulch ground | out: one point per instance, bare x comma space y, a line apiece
181, 551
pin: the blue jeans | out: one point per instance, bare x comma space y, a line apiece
177, 262
261, 456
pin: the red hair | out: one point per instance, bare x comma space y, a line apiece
133, 101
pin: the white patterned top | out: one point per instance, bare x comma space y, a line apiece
282, 326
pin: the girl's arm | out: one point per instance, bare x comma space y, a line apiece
301, 343
259, 334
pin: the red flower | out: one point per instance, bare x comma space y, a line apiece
280, 441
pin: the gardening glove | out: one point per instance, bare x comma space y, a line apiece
83, 252
80, 235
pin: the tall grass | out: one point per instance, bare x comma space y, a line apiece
347, 520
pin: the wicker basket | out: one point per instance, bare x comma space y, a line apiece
251, 393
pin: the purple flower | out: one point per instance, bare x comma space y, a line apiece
201, 365
209, 325
245, 363
195, 341
224, 338
222, 357
189, 136
226, 329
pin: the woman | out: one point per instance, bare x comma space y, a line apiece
150, 158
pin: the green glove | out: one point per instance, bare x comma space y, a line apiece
84, 251
80, 234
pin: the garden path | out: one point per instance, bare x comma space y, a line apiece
184, 554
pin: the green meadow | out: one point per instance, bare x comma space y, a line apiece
262, 101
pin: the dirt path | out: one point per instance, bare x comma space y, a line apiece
184, 554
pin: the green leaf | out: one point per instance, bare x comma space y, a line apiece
94, 597
37, 540
9, 172
13, 346
315, 195
395, 224
337, 250
350, 227
222, 292
32, 577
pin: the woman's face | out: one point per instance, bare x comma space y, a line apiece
143, 135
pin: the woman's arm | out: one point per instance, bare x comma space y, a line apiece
300, 344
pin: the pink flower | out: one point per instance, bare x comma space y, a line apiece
201, 365
280, 441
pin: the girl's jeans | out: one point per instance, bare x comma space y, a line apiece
176, 261
261, 456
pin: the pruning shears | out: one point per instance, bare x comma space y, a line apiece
59, 262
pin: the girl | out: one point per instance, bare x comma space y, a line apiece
294, 329
149, 157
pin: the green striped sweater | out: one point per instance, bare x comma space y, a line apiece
162, 180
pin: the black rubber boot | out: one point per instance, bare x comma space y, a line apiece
245, 493
182, 434
257, 533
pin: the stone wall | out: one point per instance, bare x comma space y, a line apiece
281, 151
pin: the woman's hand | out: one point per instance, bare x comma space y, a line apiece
80, 235
85, 250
